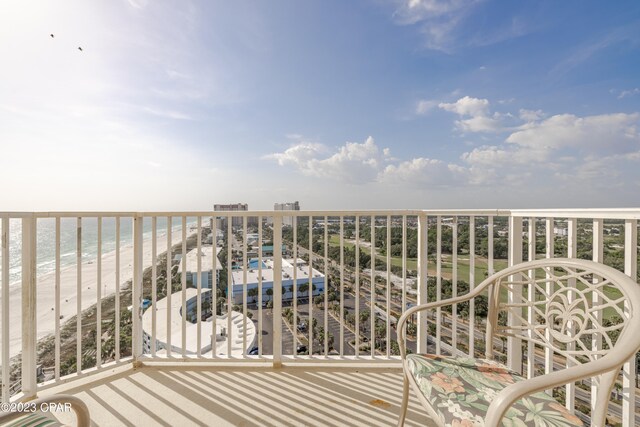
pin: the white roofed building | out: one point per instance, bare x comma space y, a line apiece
206, 266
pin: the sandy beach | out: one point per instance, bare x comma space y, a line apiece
68, 288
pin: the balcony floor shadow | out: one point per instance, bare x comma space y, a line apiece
243, 396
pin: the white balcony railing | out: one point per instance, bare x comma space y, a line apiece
84, 291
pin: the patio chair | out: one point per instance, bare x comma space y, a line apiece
587, 314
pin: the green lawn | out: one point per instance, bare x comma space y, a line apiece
447, 265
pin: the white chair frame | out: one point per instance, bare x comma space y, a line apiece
604, 365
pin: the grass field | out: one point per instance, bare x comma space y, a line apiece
481, 267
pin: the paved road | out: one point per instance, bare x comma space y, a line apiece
267, 333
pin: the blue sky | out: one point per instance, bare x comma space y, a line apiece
340, 105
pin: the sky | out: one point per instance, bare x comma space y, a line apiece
362, 104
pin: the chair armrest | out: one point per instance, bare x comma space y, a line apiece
78, 406
509, 395
400, 330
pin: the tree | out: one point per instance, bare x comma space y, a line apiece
253, 292
269, 293
304, 288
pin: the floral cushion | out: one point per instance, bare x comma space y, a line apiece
460, 390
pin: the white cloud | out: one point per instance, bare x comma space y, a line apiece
298, 155
494, 156
439, 20
353, 163
612, 132
550, 152
467, 106
630, 92
477, 110
562, 145
422, 171
424, 106
531, 115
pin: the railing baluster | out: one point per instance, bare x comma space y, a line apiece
388, 293
5, 306
229, 284
199, 287
326, 286
214, 286
549, 289
629, 368
454, 285
136, 297
572, 245
57, 302
357, 285
310, 287
342, 320
472, 285
29, 309
294, 290
514, 345
183, 282
404, 265
260, 286
372, 287
117, 299
421, 344
277, 290
531, 249
244, 286
154, 284
99, 297
169, 286
490, 266
596, 341
439, 281
79, 295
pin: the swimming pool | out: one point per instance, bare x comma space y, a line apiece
253, 263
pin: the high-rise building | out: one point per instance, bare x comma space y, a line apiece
233, 207
289, 206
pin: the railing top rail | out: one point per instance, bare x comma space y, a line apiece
605, 213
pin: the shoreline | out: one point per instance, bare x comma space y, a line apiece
45, 300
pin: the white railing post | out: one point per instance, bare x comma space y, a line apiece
277, 290
514, 345
572, 252
598, 256
29, 379
422, 282
629, 368
5, 309
136, 310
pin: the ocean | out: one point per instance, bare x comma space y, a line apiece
46, 239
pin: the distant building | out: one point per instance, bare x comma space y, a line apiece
236, 221
299, 269
206, 266
560, 231
290, 206
210, 343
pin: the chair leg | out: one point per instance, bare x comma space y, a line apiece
405, 401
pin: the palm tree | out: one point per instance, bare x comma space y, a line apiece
253, 293
269, 292
303, 288
364, 316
